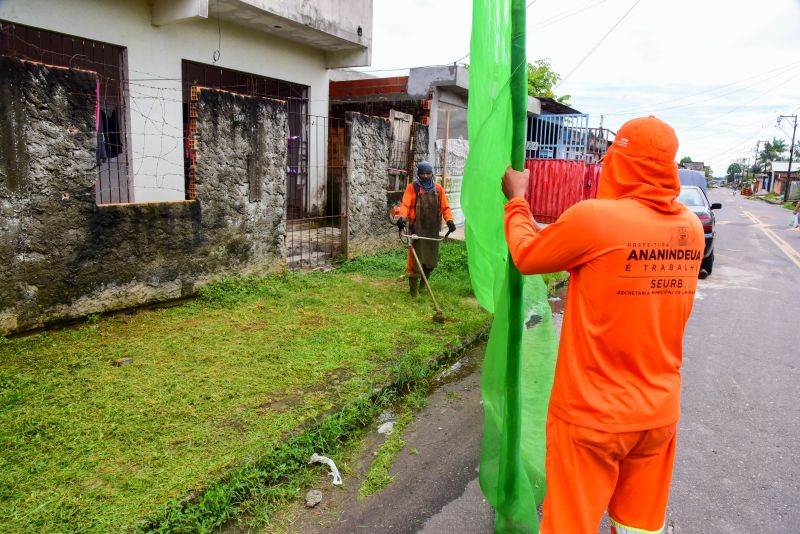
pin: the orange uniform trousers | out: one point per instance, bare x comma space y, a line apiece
589, 471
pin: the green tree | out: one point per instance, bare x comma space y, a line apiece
542, 79
773, 150
733, 170
685, 159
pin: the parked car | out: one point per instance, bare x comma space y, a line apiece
694, 198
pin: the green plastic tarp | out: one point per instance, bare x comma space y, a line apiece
520, 355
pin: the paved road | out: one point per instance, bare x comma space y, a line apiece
738, 462
737, 467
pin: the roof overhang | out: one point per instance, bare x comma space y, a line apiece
344, 34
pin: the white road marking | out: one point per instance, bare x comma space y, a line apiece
784, 247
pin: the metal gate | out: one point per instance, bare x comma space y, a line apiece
316, 175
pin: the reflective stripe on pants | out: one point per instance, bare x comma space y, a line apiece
617, 528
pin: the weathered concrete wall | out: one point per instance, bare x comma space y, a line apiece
421, 144
241, 176
158, 51
367, 156
367, 142
62, 256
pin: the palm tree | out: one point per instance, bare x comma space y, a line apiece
778, 147
773, 151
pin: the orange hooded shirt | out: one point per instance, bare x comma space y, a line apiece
633, 255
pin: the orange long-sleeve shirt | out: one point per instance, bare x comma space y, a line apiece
409, 198
633, 274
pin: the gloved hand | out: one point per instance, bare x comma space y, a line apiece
451, 226
401, 223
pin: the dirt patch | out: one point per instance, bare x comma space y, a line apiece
252, 327
341, 374
312, 319
282, 404
237, 424
333, 378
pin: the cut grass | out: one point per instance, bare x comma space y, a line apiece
218, 394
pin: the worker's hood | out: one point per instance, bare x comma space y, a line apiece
640, 164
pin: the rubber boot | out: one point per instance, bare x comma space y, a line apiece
413, 286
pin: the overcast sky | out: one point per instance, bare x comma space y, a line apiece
719, 71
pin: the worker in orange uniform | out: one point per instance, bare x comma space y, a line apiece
422, 209
633, 255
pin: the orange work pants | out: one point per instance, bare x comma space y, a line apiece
589, 471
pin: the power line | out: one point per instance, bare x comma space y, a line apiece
562, 16
598, 44
538, 26
738, 144
783, 70
784, 82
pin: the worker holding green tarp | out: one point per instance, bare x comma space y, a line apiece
633, 255
633, 258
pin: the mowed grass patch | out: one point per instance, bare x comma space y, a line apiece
215, 384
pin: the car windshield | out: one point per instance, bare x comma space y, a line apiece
691, 197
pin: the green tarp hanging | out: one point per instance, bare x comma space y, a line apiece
520, 356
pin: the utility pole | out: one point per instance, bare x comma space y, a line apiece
755, 168
791, 156
755, 163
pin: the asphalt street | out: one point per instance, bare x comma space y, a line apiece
737, 466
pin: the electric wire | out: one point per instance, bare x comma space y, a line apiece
787, 66
563, 16
609, 32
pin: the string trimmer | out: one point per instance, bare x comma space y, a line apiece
408, 240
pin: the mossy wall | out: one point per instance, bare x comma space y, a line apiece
63, 257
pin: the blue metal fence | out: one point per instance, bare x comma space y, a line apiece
558, 137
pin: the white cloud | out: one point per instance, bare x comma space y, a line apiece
681, 51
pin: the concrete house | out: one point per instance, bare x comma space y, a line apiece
149, 53
779, 175
149, 147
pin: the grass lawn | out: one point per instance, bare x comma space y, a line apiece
215, 384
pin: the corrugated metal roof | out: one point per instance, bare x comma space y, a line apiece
783, 166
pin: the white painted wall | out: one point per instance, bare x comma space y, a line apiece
154, 71
341, 18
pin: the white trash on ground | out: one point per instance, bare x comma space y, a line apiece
386, 428
337, 478
386, 416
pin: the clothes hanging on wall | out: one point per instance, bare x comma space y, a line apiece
108, 135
